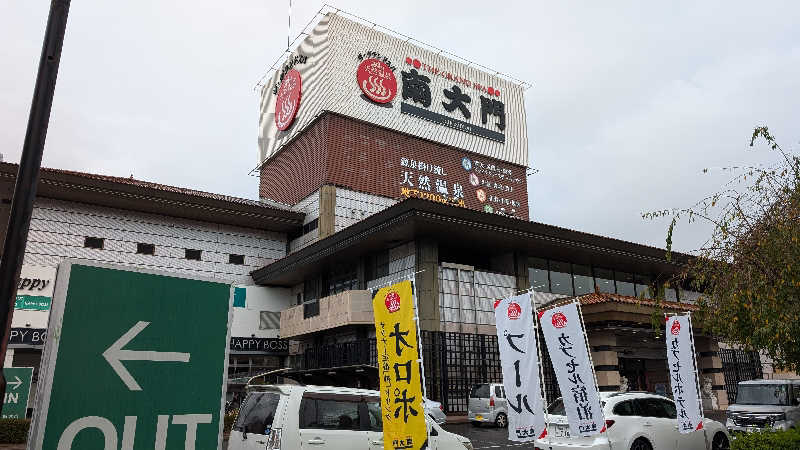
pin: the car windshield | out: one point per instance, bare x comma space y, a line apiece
762, 394
257, 413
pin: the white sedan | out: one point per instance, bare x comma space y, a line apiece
634, 421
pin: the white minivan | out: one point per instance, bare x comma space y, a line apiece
298, 417
765, 404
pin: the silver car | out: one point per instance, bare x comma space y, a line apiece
487, 404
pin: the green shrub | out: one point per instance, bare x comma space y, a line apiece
14, 431
767, 440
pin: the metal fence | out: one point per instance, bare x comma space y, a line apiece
739, 365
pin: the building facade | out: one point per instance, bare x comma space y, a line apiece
409, 164
133, 223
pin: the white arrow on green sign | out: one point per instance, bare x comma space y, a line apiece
18, 390
154, 347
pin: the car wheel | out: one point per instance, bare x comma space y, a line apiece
720, 442
501, 420
475, 424
641, 444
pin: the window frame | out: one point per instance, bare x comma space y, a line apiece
236, 259
189, 254
88, 240
142, 247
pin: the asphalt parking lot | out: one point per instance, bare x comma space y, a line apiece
485, 436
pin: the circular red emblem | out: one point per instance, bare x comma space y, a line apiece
376, 80
559, 320
392, 301
481, 194
514, 311
676, 328
287, 102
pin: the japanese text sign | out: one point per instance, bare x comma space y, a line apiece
399, 368
683, 373
566, 344
519, 359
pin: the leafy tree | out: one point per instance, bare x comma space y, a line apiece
749, 269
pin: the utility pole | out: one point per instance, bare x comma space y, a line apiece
28, 174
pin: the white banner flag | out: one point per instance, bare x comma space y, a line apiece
683, 373
520, 362
566, 345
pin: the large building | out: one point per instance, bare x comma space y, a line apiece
408, 163
152, 226
380, 159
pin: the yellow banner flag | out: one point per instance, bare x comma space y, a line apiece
399, 368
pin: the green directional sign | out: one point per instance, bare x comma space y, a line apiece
18, 389
134, 360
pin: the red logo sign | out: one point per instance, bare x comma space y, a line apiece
392, 301
514, 311
559, 320
287, 102
676, 328
376, 80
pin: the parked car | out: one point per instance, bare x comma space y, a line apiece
320, 417
765, 404
487, 404
435, 411
634, 421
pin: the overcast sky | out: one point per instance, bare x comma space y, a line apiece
630, 100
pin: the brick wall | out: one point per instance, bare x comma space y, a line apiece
345, 152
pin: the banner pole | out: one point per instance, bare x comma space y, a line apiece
697, 378
541, 365
419, 341
591, 363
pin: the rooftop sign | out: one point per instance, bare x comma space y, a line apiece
354, 70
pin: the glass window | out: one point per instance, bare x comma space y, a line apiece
625, 408
257, 413
604, 279
329, 414
669, 407
145, 249
762, 394
652, 407
480, 391
193, 254
557, 408
670, 293
625, 284
498, 392
342, 278
643, 286
236, 259
93, 242
375, 414
537, 274
584, 284
560, 278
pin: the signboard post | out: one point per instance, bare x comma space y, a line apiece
134, 360
18, 389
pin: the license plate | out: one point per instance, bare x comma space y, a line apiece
562, 431
479, 417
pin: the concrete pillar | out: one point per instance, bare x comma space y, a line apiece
427, 259
709, 365
327, 211
9, 362
604, 356
521, 271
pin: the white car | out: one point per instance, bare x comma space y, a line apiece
765, 404
435, 411
295, 417
634, 421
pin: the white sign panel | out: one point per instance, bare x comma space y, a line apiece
519, 359
357, 71
566, 344
683, 373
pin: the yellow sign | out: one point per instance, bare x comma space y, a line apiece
399, 368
